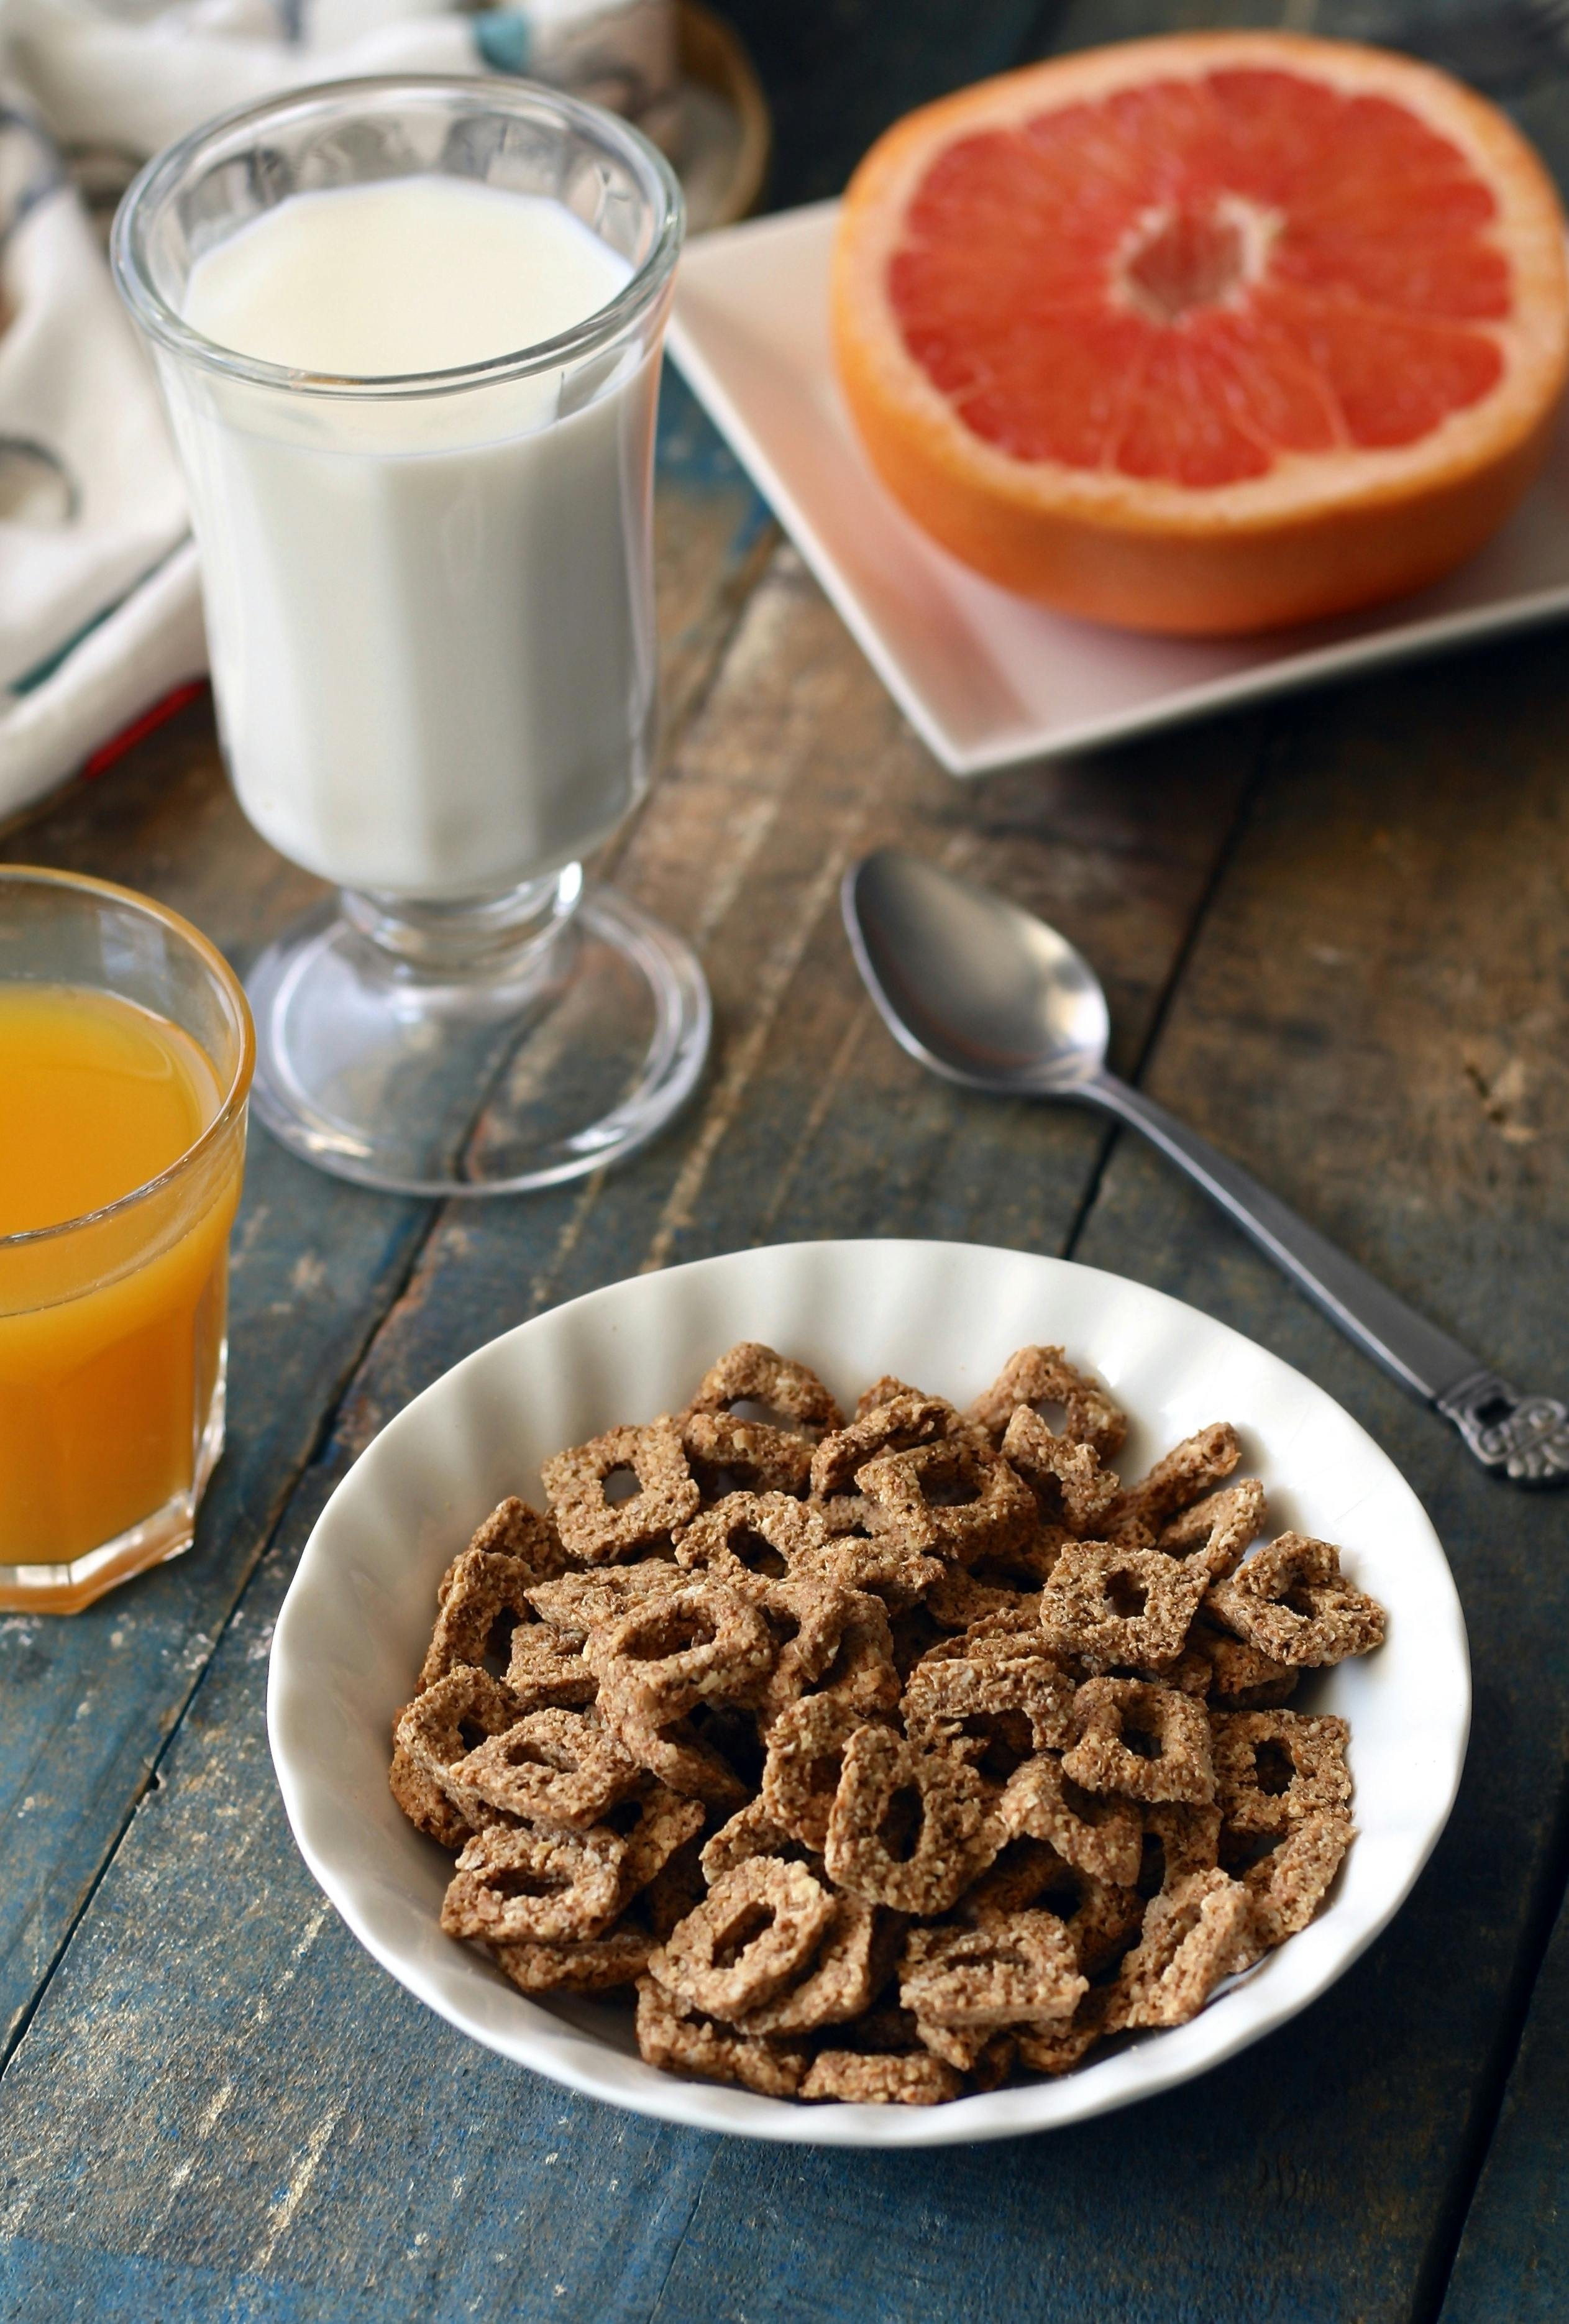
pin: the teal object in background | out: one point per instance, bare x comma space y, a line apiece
504, 39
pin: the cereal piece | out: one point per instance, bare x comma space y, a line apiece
677, 1888
905, 1420
1019, 1877
833, 1640
912, 2078
1217, 1531
547, 1671
425, 1804
1009, 1633
995, 1712
1190, 1673
1070, 1486
843, 1512
1099, 1833
1011, 1970
517, 1887
482, 1601
1289, 1885
652, 1829
1240, 1677
1293, 1603
671, 2036
958, 1601
575, 1604
800, 1776
984, 2054
554, 1766
951, 1498
1125, 1528
752, 1830
1101, 1918
1058, 2049
959, 2048
1191, 1469
618, 1958
681, 1758
726, 1454
441, 1727
1180, 1839
751, 1373
1194, 1935
884, 1565
702, 1643
756, 1930
598, 1529
908, 1829
1037, 1376
883, 1390
753, 1536
836, 1984
1146, 1741
514, 1529
859, 1673
995, 2062
1026, 1563
1274, 1767
1114, 1605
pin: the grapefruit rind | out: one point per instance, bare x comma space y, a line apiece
1320, 532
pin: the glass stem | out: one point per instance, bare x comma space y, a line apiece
473, 936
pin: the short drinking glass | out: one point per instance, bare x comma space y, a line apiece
125, 1051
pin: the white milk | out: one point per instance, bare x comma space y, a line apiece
430, 617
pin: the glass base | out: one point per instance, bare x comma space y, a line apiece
67, 1588
472, 1049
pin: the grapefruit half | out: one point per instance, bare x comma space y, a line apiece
1205, 334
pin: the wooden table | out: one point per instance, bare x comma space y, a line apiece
1336, 937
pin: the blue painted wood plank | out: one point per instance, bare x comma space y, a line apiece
1512, 2267
304, 2139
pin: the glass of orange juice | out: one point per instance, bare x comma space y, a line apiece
126, 1056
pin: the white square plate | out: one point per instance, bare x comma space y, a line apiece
985, 678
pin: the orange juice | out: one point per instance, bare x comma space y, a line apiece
111, 1332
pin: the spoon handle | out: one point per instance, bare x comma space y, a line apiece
1524, 1438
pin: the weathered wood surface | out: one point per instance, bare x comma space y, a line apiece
1334, 938
1513, 2259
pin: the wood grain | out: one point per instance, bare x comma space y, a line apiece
1514, 2256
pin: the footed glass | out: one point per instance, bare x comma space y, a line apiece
429, 604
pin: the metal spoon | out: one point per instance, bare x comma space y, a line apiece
991, 997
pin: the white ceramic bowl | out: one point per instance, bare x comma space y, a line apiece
358, 1613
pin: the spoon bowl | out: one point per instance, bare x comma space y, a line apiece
983, 993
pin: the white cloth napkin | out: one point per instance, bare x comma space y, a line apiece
99, 611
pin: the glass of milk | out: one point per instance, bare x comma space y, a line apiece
408, 332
